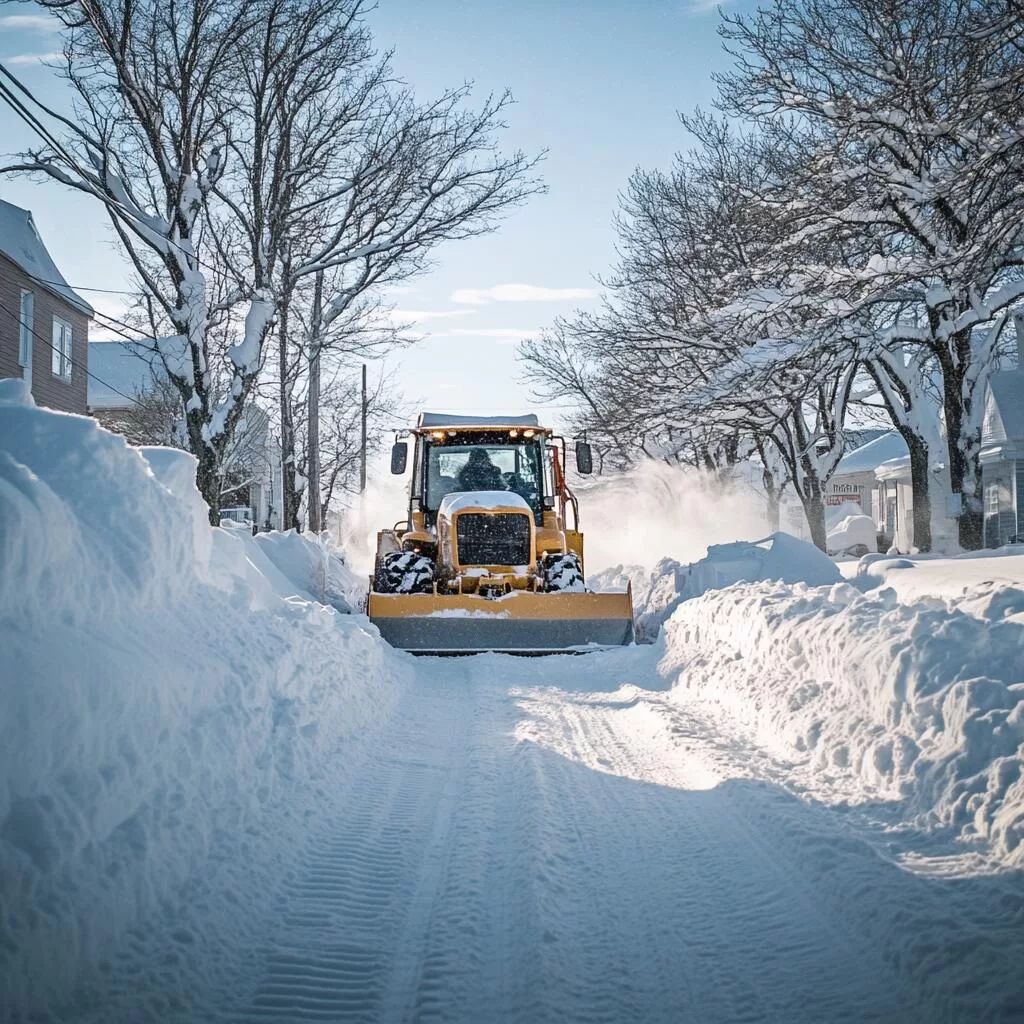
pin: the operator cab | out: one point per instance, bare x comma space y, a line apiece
481, 461
458, 454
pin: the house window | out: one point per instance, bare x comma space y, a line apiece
25, 325
992, 500
61, 349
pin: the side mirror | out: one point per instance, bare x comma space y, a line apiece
399, 457
584, 458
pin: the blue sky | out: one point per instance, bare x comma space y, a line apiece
596, 83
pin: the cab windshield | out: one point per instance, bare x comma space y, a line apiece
483, 467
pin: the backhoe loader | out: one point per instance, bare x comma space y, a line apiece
486, 559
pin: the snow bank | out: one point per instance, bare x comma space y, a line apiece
163, 712
657, 594
313, 566
914, 701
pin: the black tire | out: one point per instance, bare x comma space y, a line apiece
404, 572
562, 572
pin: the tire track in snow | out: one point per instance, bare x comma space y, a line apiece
352, 918
480, 954
710, 923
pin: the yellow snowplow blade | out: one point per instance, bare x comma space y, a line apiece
521, 622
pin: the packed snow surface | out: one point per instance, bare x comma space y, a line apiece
222, 800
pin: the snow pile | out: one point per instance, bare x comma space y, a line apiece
314, 567
657, 594
918, 701
163, 712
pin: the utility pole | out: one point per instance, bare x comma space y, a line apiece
313, 401
362, 446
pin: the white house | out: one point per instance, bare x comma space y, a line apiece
1002, 454
854, 479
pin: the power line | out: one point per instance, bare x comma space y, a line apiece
37, 126
16, 317
86, 288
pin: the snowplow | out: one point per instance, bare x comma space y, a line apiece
487, 559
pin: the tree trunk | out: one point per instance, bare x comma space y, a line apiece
920, 483
208, 481
289, 498
964, 477
313, 426
814, 510
963, 442
774, 500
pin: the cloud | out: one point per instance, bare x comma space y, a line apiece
503, 335
415, 319
31, 22
705, 6
520, 293
32, 58
407, 315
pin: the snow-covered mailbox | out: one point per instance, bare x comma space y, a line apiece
1002, 455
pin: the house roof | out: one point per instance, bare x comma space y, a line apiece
20, 243
1004, 407
868, 457
120, 368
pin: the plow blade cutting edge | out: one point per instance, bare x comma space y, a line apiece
518, 623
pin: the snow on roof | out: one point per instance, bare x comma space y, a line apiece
127, 367
20, 243
444, 419
1006, 394
870, 456
894, 469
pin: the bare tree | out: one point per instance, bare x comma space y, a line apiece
241, 146
341, 435
155, 106
919, 109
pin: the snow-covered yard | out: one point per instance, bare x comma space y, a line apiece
223, 799
959, 579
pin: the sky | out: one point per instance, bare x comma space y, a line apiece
597, 84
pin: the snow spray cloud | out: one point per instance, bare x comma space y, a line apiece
657, 510
385, 501
634, 518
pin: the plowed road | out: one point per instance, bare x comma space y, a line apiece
547, 840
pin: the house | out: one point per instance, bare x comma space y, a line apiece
131, 394
44, 323
1002, 454
854, 478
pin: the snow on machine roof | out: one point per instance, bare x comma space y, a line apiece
436, 420
458, 501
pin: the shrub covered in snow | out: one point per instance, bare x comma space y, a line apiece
162, 708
